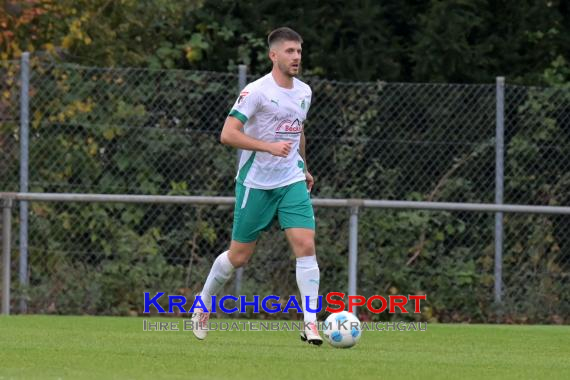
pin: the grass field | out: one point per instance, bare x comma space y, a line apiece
59, 347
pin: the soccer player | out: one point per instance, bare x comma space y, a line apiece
266, 122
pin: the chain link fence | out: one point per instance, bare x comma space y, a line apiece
536, 263
9, 122
133, 131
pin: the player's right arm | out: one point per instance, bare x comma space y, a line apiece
247, 105
232, 135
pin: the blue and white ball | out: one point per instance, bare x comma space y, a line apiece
342, 330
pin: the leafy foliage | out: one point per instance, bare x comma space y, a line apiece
427, 40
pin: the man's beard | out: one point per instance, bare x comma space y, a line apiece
287, 71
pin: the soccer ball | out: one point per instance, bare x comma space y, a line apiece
342, 330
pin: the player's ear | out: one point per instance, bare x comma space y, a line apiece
272, 55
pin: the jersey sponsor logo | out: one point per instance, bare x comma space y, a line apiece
288, 127
242, 95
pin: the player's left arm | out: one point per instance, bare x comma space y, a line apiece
309, 178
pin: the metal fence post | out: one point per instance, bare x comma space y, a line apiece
499, 180
242, 81
24, 164
353, 252
6, 248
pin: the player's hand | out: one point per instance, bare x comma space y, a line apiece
280, 148
310, 181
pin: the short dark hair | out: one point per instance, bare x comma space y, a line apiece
283, 34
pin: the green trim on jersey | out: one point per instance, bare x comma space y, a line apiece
245, 168
238, 115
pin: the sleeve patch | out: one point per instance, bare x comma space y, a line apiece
242, 95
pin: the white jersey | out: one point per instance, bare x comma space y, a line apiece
272, 113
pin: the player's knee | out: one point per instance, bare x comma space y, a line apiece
305, 247
239, 261
239, 257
